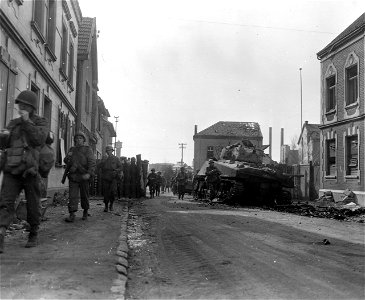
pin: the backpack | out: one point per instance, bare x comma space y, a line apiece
46, 157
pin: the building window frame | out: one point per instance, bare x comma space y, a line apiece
50, 45
71, 65
352, 153
38, 22
331, 158
351, 75
87, 97
330, 93
64, 44
210, 152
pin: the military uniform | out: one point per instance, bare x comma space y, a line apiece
181, 180
111, 170
26, 136
81, 164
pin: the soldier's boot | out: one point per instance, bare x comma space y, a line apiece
85, 215
106, 207
111, 206
33, 237
70, 218
2, 237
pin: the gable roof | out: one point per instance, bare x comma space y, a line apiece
310, 129
84, 39
351, 31
231, 129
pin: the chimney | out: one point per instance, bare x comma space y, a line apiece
282, 137
195, 129
270, 141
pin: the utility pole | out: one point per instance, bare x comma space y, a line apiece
301, 100
182, 146
115, 141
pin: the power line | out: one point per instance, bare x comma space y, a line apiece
255, 26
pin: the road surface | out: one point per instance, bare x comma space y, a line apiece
189, 250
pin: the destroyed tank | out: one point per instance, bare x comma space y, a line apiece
250, 177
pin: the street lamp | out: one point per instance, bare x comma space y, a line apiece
115, 141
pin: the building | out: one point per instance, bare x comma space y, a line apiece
342, 127
87, 84
309, 142
38, 46
209, 142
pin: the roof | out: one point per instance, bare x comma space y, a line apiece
310, 129
84, 40
231, 129
355, 28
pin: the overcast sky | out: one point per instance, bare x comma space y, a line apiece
165, 66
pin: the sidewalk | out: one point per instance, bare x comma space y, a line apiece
80, 260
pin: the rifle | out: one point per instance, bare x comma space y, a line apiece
67, 170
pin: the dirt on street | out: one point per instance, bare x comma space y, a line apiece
193, 250
72, 261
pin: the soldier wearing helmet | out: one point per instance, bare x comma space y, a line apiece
181, 180
111, 170
80, 167
20, 169
151, 182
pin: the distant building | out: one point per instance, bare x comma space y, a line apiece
288, 156
309, 142
209, 142
342, 125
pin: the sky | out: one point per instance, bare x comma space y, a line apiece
165, 66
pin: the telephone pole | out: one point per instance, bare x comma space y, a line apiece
301, 100
182, 146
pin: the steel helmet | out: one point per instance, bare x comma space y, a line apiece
80, 133
107, 148
29, 98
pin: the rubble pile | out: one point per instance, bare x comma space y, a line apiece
60, 199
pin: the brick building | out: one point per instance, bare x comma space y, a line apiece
209, 142
309, 142
342, 125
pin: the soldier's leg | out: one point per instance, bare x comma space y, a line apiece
85, 195
107, 187
113, 193
33, 195
11, 188
73, 201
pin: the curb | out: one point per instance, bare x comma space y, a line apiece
121, 265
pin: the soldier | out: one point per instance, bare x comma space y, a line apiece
158, 183
151, 182
80, 167
181, 180
111, 170
22, 139
212, 179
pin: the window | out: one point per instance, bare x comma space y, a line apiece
7, 90
351, 85
331, 157
331, 93
39, 20
64, 50
87, 97
51, 26
71, 65
352, 155
35, 89
47, 111
210, 152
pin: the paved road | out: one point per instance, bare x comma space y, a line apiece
182, 249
